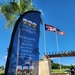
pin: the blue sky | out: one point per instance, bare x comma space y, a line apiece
59, 13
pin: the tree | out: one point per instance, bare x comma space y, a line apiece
2, 67
13, 9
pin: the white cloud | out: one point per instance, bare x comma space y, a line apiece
5, 57
41, 12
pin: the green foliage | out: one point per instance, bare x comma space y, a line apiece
57, 66
54, 65
13, 9
1, 67
1, 70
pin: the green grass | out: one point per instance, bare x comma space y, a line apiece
53, 71
1, 72
59, 71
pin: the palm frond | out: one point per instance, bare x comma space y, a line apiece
24, 5
9, 10
11, 21
10, 24
13, 8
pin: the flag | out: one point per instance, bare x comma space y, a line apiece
50, 28
53, 29
60, 32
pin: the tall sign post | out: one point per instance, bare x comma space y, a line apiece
23, 54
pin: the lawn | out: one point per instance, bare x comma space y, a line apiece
1, 72
59, 71
53, 71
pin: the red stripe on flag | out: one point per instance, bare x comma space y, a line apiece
61, 33
53, 29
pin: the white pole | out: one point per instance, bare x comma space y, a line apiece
18, 50
57, 41
57, 48
44, 39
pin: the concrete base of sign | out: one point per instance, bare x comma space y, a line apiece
45, 67
42, 67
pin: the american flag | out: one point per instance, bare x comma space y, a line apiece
60, 32
50, 28
53, 29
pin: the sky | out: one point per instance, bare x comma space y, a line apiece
58, 13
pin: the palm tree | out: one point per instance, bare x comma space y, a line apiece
13, 9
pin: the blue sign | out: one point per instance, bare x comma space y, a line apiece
23, 54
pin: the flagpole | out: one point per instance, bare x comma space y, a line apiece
57, 48
18, 50
44, 40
